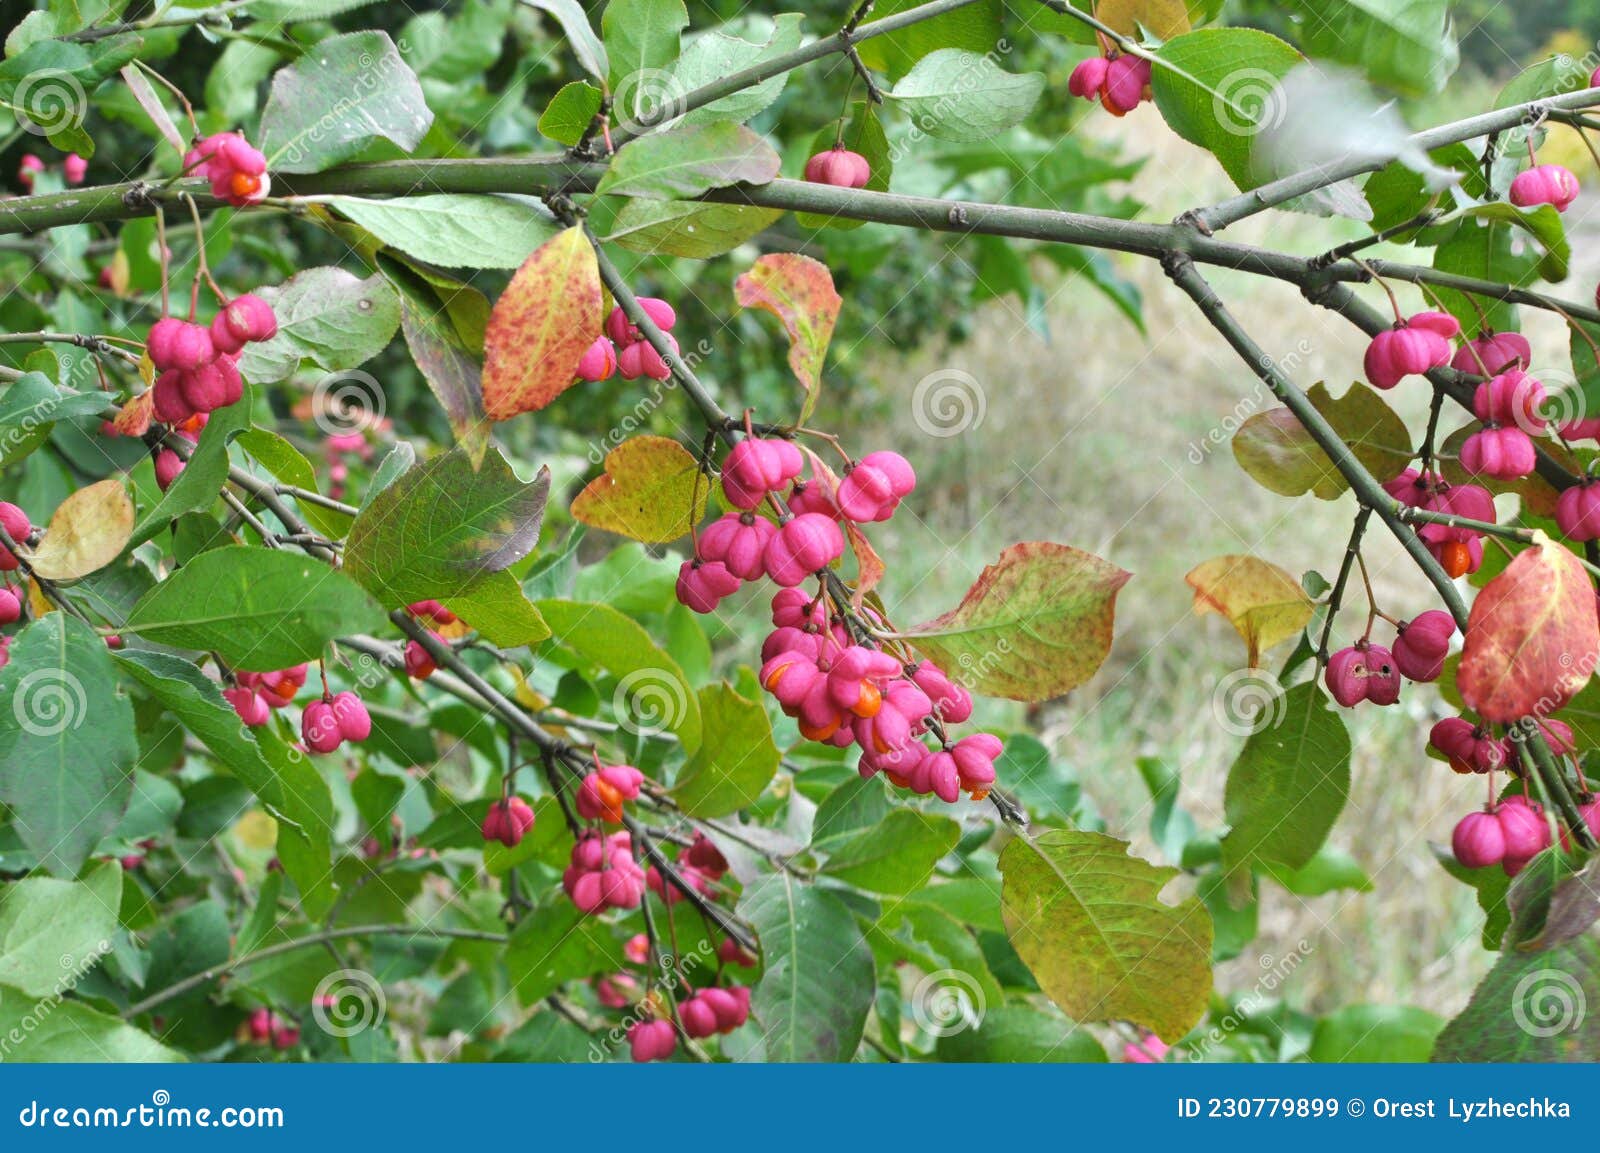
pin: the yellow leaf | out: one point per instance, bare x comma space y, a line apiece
1261, 600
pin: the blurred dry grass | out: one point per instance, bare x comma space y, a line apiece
1118, 444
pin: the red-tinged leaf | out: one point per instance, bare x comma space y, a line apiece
541, 326
798, 291
1035, 625
1533, 637
134, 418
1263, 602
646, 491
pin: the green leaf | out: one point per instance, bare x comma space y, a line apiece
684, 162
1407, 45
966, 96
1365, 1034
1542, 222
555, 944
1087, 920
859, 803
260, 609
327, 316
52, 932
71, 1032
444, 525
973, 27
29, 408
685, 228
652, 693
1484, 251
818, 981
1288, 784
287, 464
1331, 870
585, 44
651, 490
444, 321
1553, 76
284, 779
641, 37
453, 231
895, 856
203, 477
1215, 88
497, 607
736, 758
67, 745
1021, 1034
290, 11
570, 112
1036, 624
330, 104
1532, 1006
1275, 449
716, 55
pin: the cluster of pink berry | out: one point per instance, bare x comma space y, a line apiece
507, 821
340, 445
602, 793
603, 874
1509, 834
1369, 672
327, 723
1118, 81
73, 169
236, 169
420, 664
1459, 550
839, 167
19, 528
265, 1027
255, 695
839, 691
1471, 748
199, 365
624, 348
700, 864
